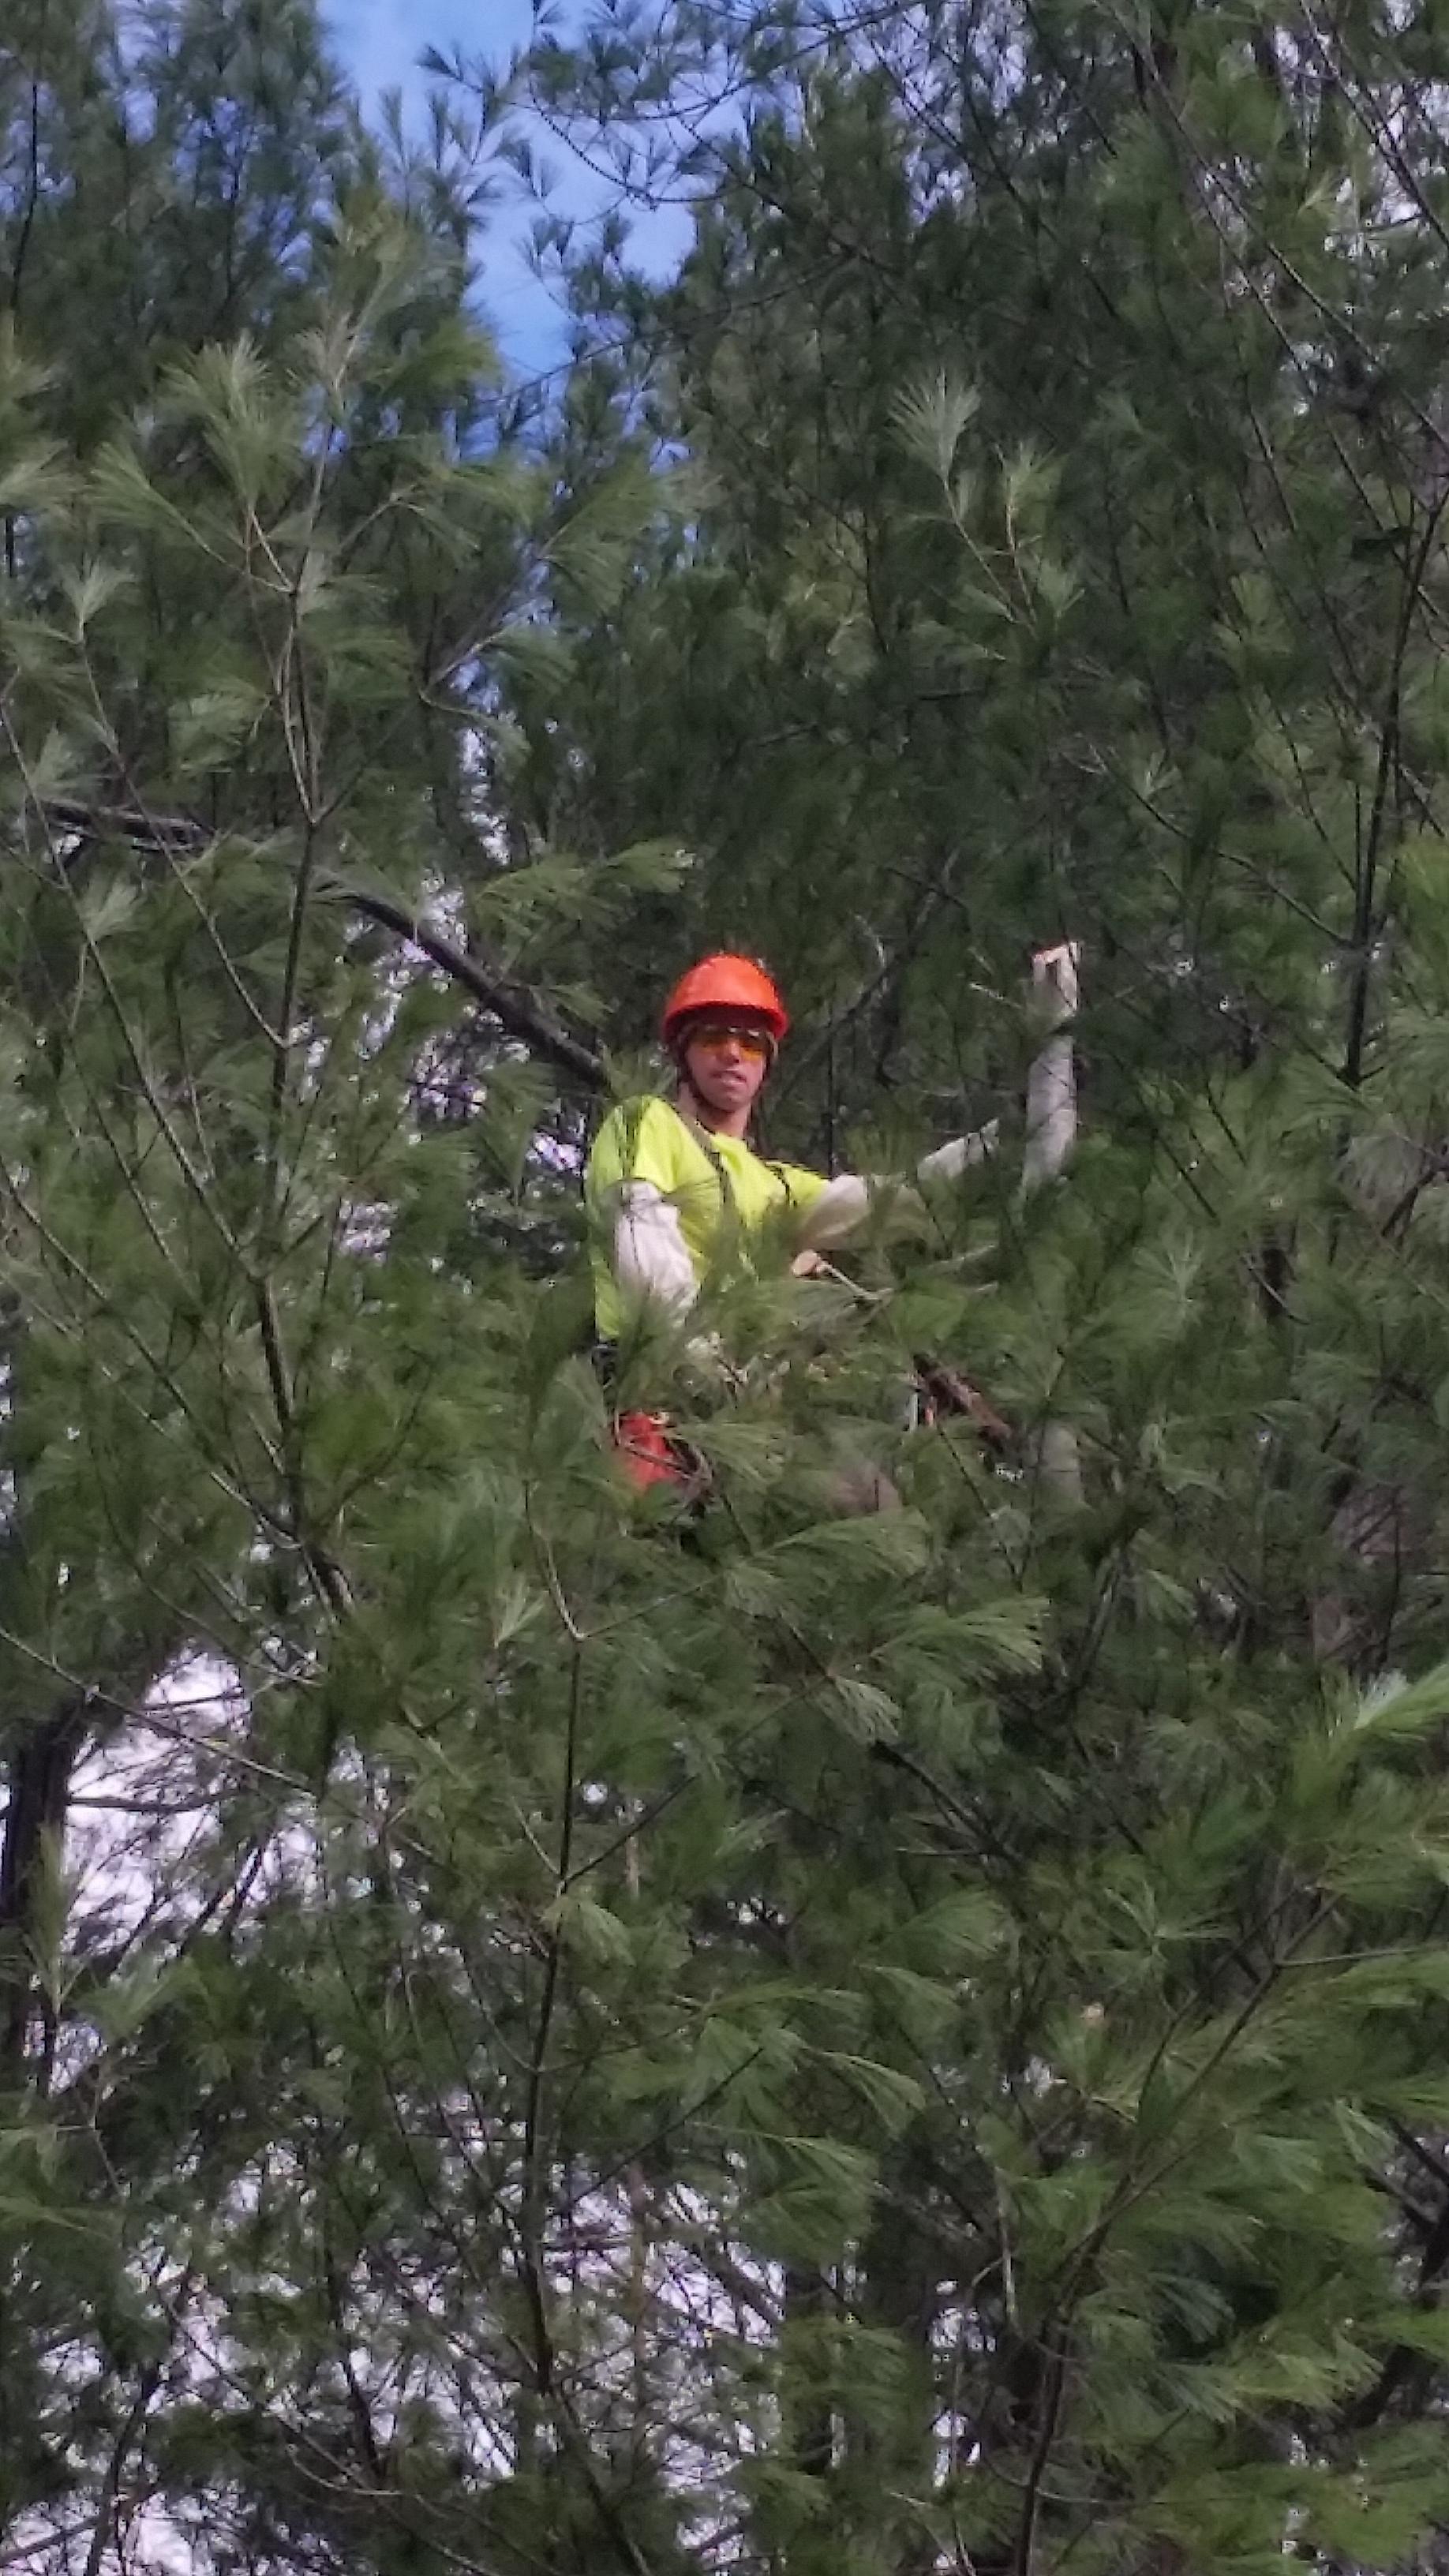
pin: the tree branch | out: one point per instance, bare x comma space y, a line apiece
516, 1010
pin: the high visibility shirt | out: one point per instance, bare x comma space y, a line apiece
724, 1195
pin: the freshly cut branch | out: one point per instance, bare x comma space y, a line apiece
516, 1010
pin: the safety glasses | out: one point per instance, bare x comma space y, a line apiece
750, 1043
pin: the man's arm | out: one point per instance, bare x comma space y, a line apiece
844, 1203
650, 1256
1051, 1085
841, 1207
630, 1192
1051, 1127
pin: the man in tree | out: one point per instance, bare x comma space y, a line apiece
677, 1189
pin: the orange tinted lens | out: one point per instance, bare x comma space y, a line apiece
748, 1042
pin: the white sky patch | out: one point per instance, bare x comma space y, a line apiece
143, 1797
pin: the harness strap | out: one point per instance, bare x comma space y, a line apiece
705, 1141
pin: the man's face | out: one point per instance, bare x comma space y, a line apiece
726, 1061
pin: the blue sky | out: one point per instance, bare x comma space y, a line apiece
379, 42
381, 39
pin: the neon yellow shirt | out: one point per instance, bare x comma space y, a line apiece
725, 1193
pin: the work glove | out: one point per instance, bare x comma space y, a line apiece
962, 1154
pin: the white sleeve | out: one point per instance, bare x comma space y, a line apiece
844, 1203
1051, 1084
961, 1154
1051, 1112
651, 1257
841, 1206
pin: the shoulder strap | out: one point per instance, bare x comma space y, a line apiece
711, 1153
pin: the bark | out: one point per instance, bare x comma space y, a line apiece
38, 1783
900, 2291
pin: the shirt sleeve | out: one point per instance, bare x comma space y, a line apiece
651, 1257
834, 1210
633, 1171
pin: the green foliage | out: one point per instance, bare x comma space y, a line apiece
532, 2034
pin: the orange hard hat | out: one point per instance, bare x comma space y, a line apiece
725, 984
